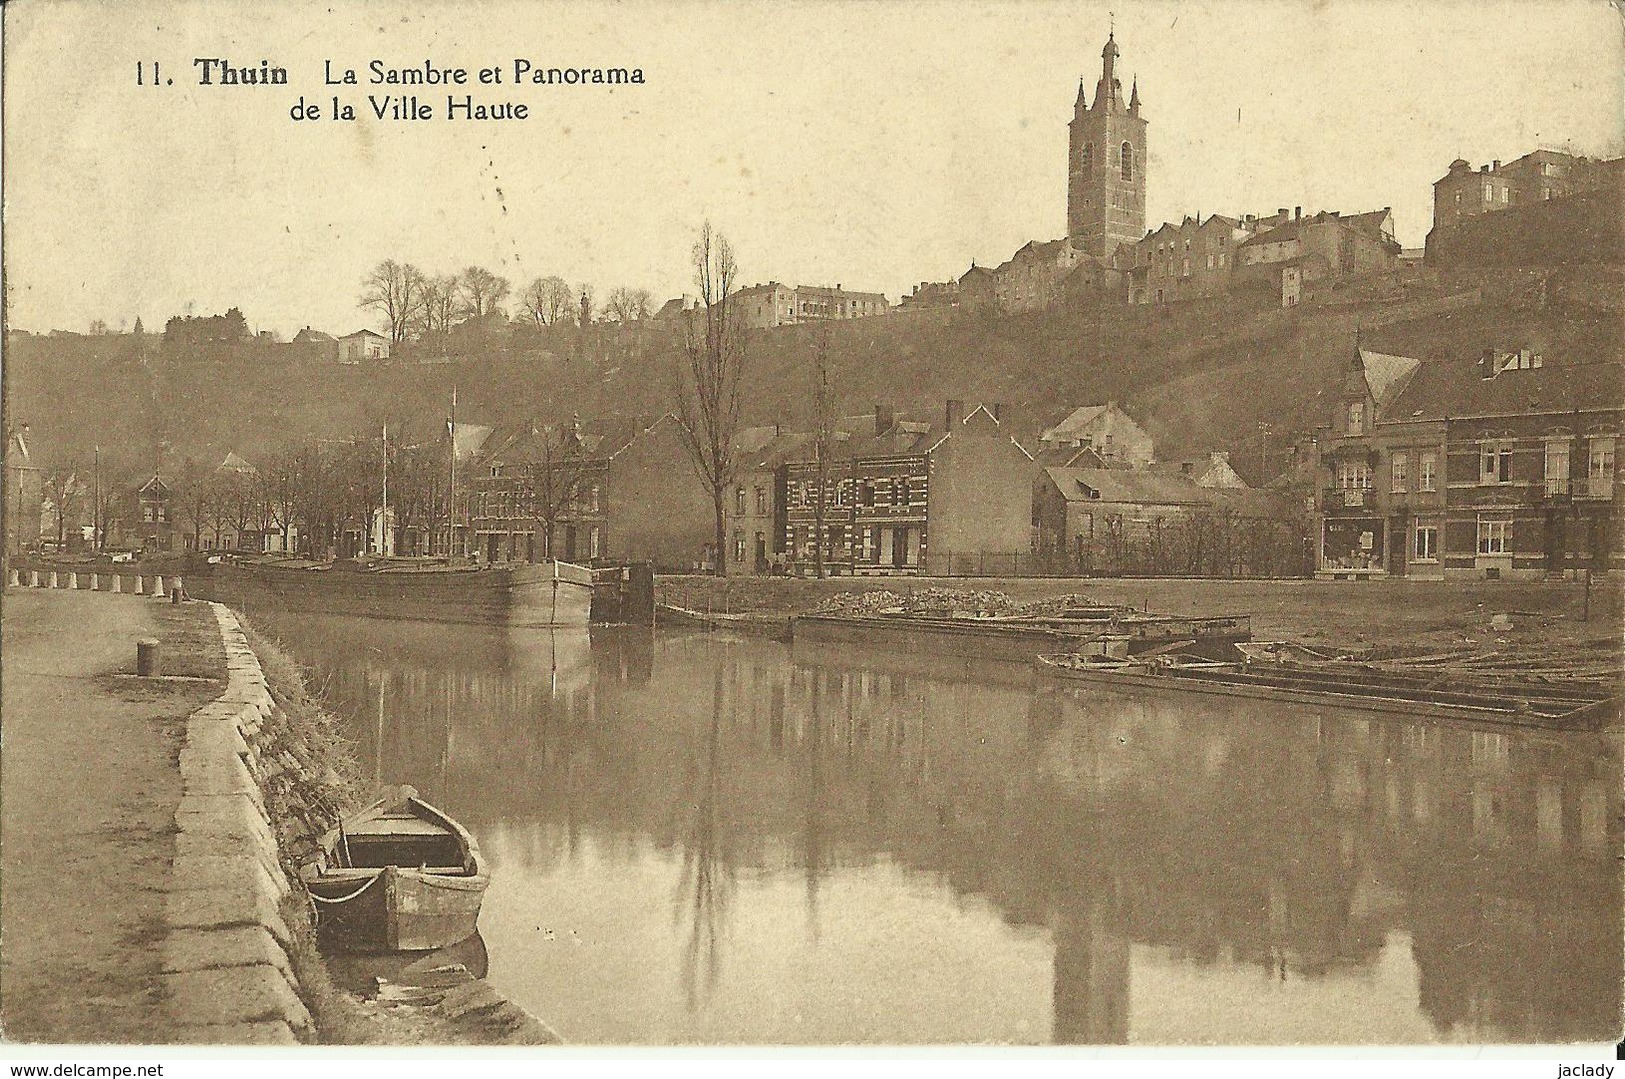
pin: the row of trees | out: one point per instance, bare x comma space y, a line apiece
328, 493
419, 306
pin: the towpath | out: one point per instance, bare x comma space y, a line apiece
89, 782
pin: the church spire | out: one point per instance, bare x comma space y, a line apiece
1134, 98
1109, 93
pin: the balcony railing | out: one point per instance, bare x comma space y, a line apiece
1350, 498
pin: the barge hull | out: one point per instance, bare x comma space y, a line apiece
557, 594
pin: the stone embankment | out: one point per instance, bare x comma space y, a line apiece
227, 970
262, 783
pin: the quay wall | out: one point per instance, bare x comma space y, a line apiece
227, 971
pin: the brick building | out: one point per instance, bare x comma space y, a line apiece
1579, 227
1098, 521
1117, 441
1463, 193
910, 497
1194, 258
24, 493
539, 492
1499, 467
754, 542
1307, 249
1035, 277
774, 304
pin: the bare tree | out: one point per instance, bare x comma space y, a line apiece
64, 489
626, 305
438, 308
708, 383
241, 506
482, 292
285, 484
561, 485
547, 300
393, 291
193, 494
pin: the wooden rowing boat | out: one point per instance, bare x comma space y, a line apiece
399, 875
1410, 696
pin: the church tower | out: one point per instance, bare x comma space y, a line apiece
1105, 191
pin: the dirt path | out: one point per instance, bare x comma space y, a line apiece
89, 782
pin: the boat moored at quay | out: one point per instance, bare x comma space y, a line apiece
1579, 704
1105, 630
550, 593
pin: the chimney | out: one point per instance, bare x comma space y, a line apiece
1280, 211
1297, 212
955, 413
1486, 364
1496, 167
1186, 468
885, 419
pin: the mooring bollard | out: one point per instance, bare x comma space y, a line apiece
136, 591
73, 580
118, 583
95, 582
33, 578
53, 578
147, 658
175, 593
158, 587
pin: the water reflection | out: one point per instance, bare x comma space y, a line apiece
856, 847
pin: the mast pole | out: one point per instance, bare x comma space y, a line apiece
383, 517
451, 480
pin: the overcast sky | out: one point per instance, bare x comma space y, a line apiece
873, 145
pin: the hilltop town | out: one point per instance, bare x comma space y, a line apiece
1276, 393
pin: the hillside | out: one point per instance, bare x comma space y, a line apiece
1201, 375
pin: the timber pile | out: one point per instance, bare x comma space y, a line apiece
1587, 661
947, 603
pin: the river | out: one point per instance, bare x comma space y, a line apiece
706, 839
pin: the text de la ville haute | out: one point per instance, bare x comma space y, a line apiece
414, 93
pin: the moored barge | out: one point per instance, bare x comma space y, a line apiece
550, 593
1111, 631
1577, 706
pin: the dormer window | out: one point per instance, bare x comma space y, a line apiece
1356, 417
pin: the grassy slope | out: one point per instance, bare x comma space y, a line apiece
1200, 375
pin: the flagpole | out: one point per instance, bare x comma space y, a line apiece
451, 480
383, 519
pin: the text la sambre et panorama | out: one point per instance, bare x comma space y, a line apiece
460, 104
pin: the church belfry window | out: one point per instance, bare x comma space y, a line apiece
1128, 162
1087, 160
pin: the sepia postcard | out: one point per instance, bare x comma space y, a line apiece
812, 523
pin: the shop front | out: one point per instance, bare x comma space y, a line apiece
1352, 548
